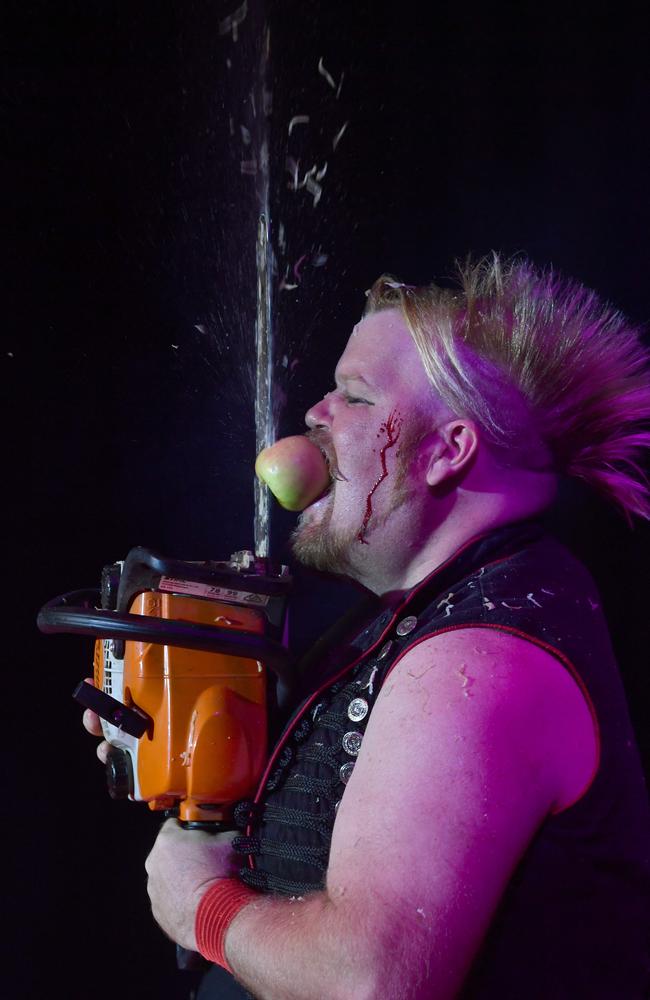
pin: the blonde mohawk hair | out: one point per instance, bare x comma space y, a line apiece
555, 377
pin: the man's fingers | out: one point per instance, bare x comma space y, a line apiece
91, 722
90, 719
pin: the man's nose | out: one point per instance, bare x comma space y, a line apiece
319, 414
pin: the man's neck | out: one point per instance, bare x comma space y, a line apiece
419, 552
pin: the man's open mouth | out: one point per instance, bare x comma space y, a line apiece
322, 441
328, 462
330, 483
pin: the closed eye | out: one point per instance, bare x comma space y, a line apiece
352, 400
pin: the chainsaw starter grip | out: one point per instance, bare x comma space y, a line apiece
133, 722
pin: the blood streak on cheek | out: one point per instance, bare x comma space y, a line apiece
391, 429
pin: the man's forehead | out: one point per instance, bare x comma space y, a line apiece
381, 352
382, 322
375, 342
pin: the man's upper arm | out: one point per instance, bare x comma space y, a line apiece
460, 763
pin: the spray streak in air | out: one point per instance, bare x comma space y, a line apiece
265, 424
265, 431
247, 27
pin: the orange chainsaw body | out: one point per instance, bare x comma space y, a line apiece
206, 743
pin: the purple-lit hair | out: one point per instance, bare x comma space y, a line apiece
554, 376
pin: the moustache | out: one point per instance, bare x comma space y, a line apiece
323, 442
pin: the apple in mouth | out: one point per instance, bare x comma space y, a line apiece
295, 470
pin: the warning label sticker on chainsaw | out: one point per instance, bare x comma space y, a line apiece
170, 584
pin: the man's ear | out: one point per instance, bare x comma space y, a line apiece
453, 451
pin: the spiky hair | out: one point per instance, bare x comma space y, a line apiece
554, 376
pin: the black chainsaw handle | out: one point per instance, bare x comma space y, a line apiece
74, 613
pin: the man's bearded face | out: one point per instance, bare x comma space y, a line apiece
369, 429
324, 547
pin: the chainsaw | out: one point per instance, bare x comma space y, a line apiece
190, 662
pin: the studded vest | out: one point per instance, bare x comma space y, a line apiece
574, 919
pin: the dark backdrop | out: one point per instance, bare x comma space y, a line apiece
129, 305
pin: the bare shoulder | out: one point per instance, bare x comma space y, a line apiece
473, 741
486, 681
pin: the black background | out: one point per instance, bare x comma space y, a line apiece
130, 225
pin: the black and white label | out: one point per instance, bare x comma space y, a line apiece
226, 594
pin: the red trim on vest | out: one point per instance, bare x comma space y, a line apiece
558, 654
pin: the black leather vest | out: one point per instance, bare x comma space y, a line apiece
574, 919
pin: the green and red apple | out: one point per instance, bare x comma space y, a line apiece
295, 471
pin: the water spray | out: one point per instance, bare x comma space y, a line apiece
265, 430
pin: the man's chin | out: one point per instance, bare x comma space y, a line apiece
314, 545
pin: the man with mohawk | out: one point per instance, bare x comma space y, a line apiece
459, 809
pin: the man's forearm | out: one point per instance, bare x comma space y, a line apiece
303, 948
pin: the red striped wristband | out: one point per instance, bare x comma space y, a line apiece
216, 911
